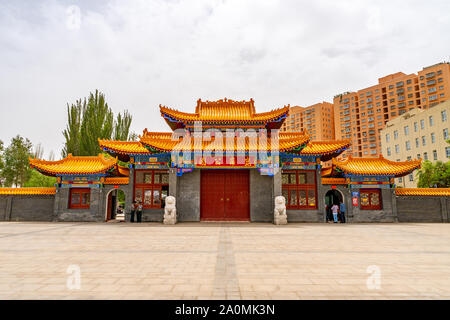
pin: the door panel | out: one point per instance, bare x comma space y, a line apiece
212, 195
225, 195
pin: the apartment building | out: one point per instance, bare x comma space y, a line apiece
361, 115
417, 134
317, 120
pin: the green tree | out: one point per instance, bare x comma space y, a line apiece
16, 169
97, 123
89, 120
435, 175
122, 126
1, 162
72, 132
37, 179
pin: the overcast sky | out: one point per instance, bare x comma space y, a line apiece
145, 53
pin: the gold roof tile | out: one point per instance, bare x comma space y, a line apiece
225, 111
72, 165
28, 191
117, 180
124, 147
376, 166
422, 191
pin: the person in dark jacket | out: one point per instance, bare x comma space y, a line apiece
133, 211
342, 212
139, 212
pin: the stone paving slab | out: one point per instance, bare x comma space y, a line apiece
224, 261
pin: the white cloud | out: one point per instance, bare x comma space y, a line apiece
146, 53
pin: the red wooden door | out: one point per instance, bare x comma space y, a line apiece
224, 195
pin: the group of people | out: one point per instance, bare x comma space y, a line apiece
136, 209
336, 213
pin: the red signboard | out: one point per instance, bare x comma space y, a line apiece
355, 201
116, 187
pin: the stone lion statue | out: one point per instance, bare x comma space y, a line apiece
279, 215
170, 211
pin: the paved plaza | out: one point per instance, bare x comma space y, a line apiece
224, 261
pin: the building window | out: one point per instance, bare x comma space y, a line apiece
415, 127
418, 156
411, 177
431, 121
299, 189
406, 129
79, 198
447, 152
417, 142
408, 145
151, 187
395, 135
422, 124
397, 148
387, 137
435, 155
370, 199
433, 138
424, 141
444, 115
425, 156
445, 133
388, 150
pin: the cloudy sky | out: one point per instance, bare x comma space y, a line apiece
143, 53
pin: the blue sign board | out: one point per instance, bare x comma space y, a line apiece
355, 194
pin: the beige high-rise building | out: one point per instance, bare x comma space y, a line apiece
361, 115
419, 133
317, 120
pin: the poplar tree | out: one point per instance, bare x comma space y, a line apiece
92, 119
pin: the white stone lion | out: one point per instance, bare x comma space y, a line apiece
170, 211
280, 216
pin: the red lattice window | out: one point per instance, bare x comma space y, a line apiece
151, 187
79, 198
299, 188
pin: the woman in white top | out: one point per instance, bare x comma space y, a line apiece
334, 210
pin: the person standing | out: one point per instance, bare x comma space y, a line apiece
342, 211
334, 210
133, 211
139, 212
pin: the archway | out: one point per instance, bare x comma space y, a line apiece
115, 205
332, 197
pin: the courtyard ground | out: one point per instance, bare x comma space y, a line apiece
224, 261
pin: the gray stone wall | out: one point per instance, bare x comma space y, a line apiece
188, 196
261, 197
386, 214
422, 209
26, 207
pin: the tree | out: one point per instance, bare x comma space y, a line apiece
37, 179
72, 132
434, 175
1, 162
97, 123
122, 126
89, 120
16, 169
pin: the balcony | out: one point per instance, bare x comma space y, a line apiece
431, 82
430, 75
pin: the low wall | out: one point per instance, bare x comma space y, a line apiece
26, 207
423, 208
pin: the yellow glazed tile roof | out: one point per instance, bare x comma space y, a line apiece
223, 111
422, 191
27, 191
163, 142
74, 165
325, 147
117, 180
376, 166
124, 147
